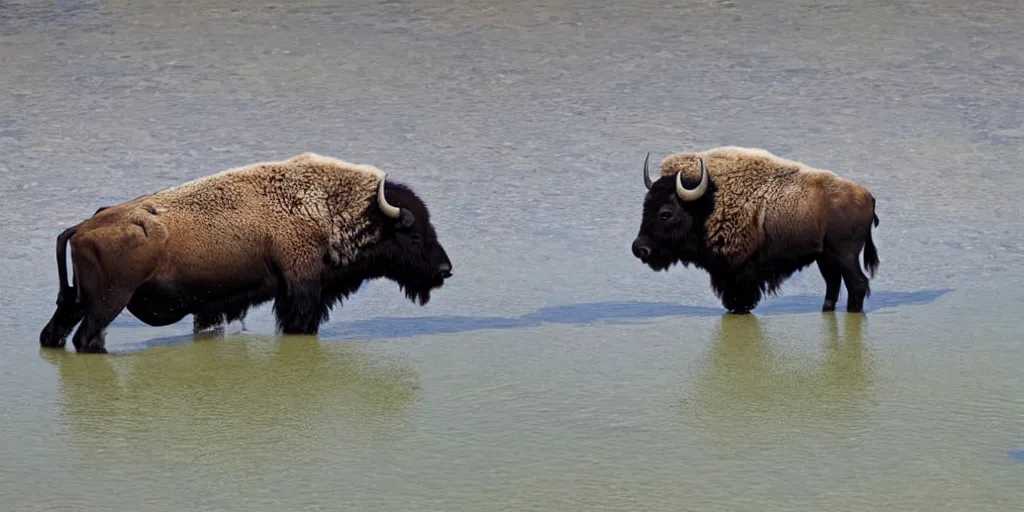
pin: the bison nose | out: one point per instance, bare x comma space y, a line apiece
640, 249
445, 270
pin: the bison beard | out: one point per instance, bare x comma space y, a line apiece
380, 261
742, 289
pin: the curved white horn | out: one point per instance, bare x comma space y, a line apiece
695, 194
647, 176
390, 211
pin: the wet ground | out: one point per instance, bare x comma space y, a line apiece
553, 372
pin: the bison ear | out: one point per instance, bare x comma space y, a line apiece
406, 218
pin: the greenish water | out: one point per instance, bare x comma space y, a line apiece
805, 412
553, 372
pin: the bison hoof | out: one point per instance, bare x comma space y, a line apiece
828, 306
209, 334
47, 339
200, 329
739, 311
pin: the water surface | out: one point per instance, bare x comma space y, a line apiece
553, 372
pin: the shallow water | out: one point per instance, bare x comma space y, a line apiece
553, 372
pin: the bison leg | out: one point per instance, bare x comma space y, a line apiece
207, 324
99, 311
67, 316
213, 317
856, 283
299, 307
832, 273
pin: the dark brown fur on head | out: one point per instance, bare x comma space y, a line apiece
407, 253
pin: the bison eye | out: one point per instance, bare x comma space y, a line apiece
416, 238
666, 215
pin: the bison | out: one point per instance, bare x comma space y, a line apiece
751, 219
305, 232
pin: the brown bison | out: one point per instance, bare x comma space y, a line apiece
305, 232
751, 219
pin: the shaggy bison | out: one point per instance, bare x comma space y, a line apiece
751, 219
305, 232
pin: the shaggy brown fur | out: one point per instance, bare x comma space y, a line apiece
315, 201
216, 245
758, 193
762, 218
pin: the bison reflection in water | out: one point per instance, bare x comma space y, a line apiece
763, 379
305, 232
290, 397
752, 219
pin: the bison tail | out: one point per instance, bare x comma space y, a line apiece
871, 254
874, 214
67, 292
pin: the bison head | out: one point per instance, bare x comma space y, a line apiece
672, 226
408, 251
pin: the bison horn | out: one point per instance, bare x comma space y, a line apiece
696, 193
647, 176
390, 211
